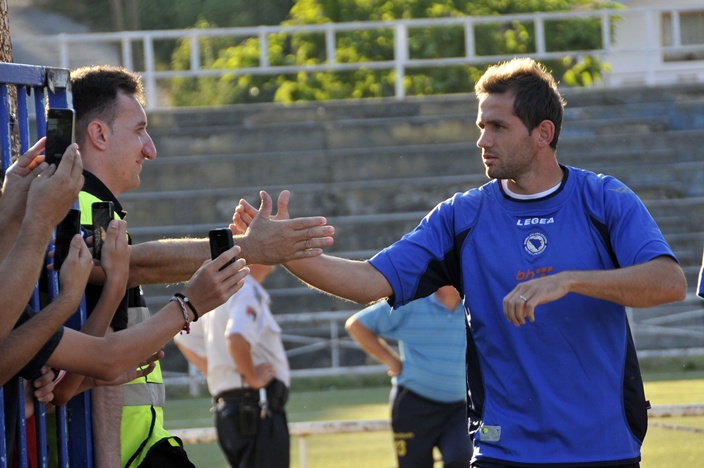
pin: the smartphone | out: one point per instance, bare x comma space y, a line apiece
103, 213
220, 241
59, 133
65, 230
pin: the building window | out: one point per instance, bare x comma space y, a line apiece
691, 36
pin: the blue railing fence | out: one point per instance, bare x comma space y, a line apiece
37, 88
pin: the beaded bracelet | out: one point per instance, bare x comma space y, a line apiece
186, 317
190, 305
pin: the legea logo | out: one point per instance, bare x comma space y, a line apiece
532, 274
531, 221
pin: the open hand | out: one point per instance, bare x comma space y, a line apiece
272, 240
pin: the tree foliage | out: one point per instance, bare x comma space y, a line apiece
511, 38
173, 14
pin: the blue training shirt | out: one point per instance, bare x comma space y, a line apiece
431, 342
565, 389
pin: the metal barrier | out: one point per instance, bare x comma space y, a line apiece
646, 46
48, 87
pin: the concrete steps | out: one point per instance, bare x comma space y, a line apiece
374, 168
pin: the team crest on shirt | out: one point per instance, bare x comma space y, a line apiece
252, 313
535, 243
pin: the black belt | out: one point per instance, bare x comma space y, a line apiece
238, 394
276, 394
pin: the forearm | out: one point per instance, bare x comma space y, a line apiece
108, 357
167, 260
10, 228
240, 350
74, 383
653, 283
201, 362
23, 343
20, 270
353, 280
98, 321
106, 417
374, 346
71, 385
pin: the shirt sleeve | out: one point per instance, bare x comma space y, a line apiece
427, 258
381, 319
246, 317
634, 234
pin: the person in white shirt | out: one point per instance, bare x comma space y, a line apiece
238, 348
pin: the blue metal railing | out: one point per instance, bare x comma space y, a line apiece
48, 87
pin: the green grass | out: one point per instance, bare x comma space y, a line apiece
331, 400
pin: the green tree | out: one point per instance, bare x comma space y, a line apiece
377, 45
113, 15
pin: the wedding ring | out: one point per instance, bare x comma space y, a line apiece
524, 299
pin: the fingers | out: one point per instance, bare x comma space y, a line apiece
44, 385
33, 157
117, 233
210, 287
146, 369
282, 205
242, 217
301, 224
224, 259
518, 307
246, 208
313, 241
71, 165
266, 205
47, 375
77, 266
81, 250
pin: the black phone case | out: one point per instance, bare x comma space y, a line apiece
65, 230
220, 241
59, 133
248, 418
103, 213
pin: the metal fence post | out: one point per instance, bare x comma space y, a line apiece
400, 58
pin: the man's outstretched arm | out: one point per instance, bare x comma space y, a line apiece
267, 241
353, 280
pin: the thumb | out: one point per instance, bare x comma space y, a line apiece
282, 208
266, 206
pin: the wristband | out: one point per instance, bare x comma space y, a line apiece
59, 375
186, 317
189, 304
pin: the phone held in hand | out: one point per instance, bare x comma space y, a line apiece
65, 230
59, 133
220, 241
103, 213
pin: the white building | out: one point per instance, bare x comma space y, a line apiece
658, 43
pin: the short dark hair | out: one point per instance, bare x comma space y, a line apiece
95, 91
536, 97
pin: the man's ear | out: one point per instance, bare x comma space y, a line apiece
98, 134
544, 132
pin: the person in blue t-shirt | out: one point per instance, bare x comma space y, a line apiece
546, 257
428, 394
